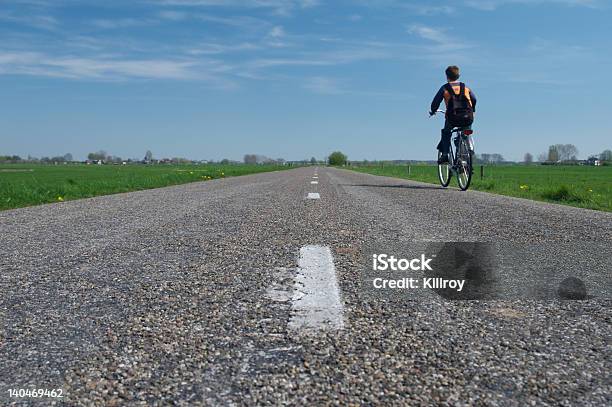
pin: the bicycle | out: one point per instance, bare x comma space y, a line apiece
459, 162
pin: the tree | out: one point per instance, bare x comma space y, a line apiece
606, 155
337, 158
497, 158
250, 159
487, 158
562, 152
68, 157
98, 155
542, 157
313, 161
553, 154
528, 158
148, 156
567, 152
10, 158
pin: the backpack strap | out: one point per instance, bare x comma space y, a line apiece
449, 89
461, 89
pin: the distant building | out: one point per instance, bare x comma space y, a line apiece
593, 161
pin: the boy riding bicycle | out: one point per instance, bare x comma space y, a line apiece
460, 108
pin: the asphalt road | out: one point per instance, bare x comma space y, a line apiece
190, 295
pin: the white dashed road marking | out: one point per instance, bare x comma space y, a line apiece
314, 182
313, 195
316, 303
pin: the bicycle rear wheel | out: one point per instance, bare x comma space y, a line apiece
444, 172
464, 166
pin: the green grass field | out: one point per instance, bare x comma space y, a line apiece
581, 186
25, 185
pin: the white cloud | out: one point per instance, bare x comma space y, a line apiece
242, 22
429, 33
332, 58
44, 22
279, 7
173, 15
215, 48
277, 32
490, 5
121, 23
428, 9
437, 41
323, 86
112, 69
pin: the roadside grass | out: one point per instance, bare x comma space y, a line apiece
580, 186
26, 185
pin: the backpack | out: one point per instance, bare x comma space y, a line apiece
459, 111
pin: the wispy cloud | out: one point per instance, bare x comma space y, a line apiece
277, 32
122, 23
106, 68
338, 57
248, 23
45, 22
429, 9
437, 42
278, 7
326, 86
429, 33
449, 6
323, 86
490, 5
215, 48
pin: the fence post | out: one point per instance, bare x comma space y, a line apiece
481, 172
408, 169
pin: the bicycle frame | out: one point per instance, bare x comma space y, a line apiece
459, 136
460, 158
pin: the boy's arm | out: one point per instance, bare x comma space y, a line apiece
473, 98
437, 100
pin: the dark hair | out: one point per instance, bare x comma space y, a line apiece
452, 73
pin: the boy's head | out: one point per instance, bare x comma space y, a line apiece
452, 73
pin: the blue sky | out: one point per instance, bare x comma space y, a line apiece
212, 79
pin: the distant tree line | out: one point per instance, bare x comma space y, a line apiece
15, 159
261, 159
486, 158
568, 154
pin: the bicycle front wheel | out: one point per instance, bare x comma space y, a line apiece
444, 172
464, 166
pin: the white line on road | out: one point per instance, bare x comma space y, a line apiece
313, 195
316, 302
314, 182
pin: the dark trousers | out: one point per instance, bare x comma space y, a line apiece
445, 140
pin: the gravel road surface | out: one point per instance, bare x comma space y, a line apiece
186, 295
